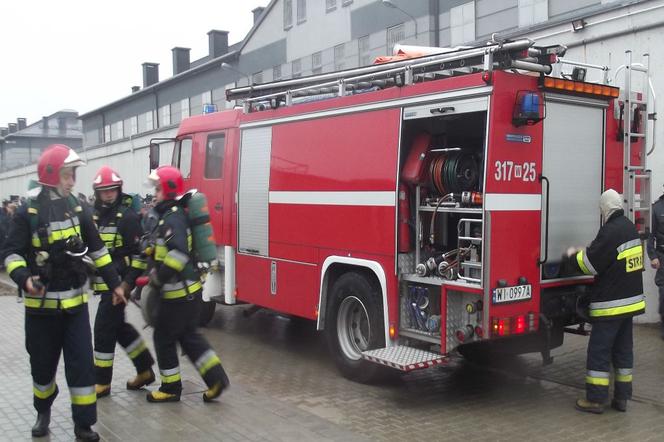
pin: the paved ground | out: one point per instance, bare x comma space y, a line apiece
284, 387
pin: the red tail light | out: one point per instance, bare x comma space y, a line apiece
520, 324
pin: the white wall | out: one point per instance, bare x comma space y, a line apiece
130, 158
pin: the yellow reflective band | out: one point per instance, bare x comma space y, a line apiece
37, 303
623, 378
15, 265
104, 260
602, 382
616, 311
138, 264
74, 302
174, 294
87, 399
44, 394
582, 265
103, 363
140, 349
160, 252
633, 258
173, 263
100, 287
214, 360
170, 379
189, 241
36, 242
32, 210
57, 235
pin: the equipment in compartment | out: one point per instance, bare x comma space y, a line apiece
453, 172
422, 310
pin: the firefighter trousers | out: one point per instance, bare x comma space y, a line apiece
111, 328
610, 343
67, 332
659, 281
176, 323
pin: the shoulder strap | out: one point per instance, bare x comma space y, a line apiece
33, 214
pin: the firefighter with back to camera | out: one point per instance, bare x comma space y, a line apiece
655, 249
175, 277
120, 228
615, 257
51, 238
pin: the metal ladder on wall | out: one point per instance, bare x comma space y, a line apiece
637, 177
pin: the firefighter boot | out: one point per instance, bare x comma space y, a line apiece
160, 396
86, 434
619, 404
40, 429
102, 390
213, 392
589, 407
141, 380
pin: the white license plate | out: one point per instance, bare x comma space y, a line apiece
511, 294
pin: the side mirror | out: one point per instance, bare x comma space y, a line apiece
154, 156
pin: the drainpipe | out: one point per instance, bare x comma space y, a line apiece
434, 11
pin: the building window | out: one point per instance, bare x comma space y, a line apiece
149, 121
330, 5
276, 73
288, 13
257, 78
195, 105
301, 11
395, 34
532, 12
214, 156
317, 62
184, 106
165, 115
346, 2
107, 133
296, 66
219, 98
364, 51
339, 55
117, 130
206, 97
145, 122
462, 24
133, 125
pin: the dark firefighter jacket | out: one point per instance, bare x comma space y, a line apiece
39, 236
173, 253
656, 238
121, 231
616, 258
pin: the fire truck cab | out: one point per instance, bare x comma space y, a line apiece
420, 206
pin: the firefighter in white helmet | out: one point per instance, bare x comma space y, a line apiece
615, 257
120, 228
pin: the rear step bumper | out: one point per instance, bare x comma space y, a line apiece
404, 358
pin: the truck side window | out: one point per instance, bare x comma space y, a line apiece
214, 156
185, 157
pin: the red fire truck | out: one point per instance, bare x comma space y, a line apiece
419, 206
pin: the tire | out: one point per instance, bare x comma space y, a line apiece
207, 313
354, 323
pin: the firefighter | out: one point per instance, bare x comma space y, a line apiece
44, 254
120, 229
616, 258
178, 282
655, 249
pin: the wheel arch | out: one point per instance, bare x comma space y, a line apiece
335, 266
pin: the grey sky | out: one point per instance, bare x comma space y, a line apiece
82, 54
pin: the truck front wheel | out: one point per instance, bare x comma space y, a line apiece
354, 323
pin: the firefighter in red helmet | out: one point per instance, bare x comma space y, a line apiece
120, 228
176, 278
51, 239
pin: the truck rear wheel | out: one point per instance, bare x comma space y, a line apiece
354, 323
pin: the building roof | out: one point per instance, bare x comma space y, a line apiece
36, 129
257, 24
196, 67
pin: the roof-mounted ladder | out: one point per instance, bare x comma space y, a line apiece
519, 54
636, 118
